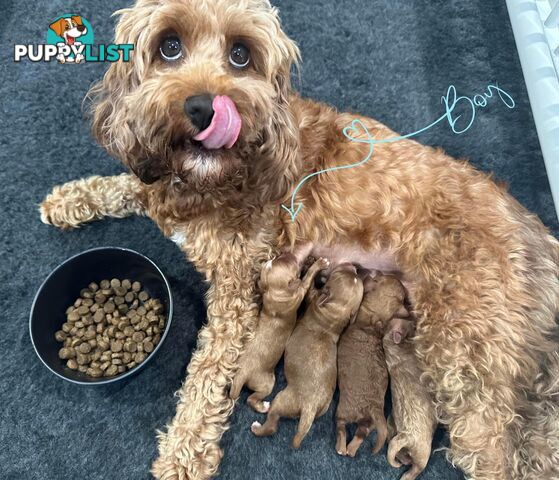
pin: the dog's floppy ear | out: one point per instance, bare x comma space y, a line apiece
58, 26
324, 297
77, 19
111, 123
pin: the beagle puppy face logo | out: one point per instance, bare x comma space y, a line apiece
69, 28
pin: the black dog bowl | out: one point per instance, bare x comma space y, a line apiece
62, 287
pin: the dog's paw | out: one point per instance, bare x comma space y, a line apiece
165, 470
255, 427
54, 211
265, 407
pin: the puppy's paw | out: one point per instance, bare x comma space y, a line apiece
165, 470
323, 263
265, 407
255, 427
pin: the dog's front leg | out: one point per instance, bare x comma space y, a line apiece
190, 447
81, 201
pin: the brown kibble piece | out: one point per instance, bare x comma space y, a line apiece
72, 364
84, 348
127, 284
111, 371
139, 357
82, 358
104, 284
138, 337
143, 296
60, 336
109, 307
148, 347
116, 346
129, 297
83, 310
100, 299
136, 287
128, 331
94, 372
66, 353
115, 282
120, 291
73, 316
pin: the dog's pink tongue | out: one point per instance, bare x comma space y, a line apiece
225, 127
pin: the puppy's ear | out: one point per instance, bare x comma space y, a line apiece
58, 26
369, 282
324, 297
77, 19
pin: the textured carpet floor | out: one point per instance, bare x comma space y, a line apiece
391, 60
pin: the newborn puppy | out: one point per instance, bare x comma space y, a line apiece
413, 411
362, 374
282, 294
310, 355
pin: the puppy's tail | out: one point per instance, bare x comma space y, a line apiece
305, 424
394, 447
237, 385
382, 434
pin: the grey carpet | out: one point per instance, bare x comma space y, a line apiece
391, 60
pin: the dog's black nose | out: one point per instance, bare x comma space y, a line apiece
80, 28
200, 110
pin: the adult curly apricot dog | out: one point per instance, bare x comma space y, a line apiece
205, 117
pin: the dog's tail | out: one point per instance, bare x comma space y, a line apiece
305, 424
237, 385
396, 445
382, 433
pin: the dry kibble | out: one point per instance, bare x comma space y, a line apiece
109, 307
84, 348
138, 337
111, 328
100, 298
66, 353
83, 358
60, 336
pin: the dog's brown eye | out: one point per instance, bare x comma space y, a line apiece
240, 55
171, 48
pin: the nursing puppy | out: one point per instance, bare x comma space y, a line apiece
362, 373
413, 411
282, 294
310, 355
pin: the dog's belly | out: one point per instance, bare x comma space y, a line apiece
383, 261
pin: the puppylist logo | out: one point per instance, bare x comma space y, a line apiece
70, 40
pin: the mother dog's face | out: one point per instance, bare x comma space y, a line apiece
204, 98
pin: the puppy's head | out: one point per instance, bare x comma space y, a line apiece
341, 296
203, 101
383, 299
279, 278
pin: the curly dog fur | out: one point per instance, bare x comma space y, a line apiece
481, 272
